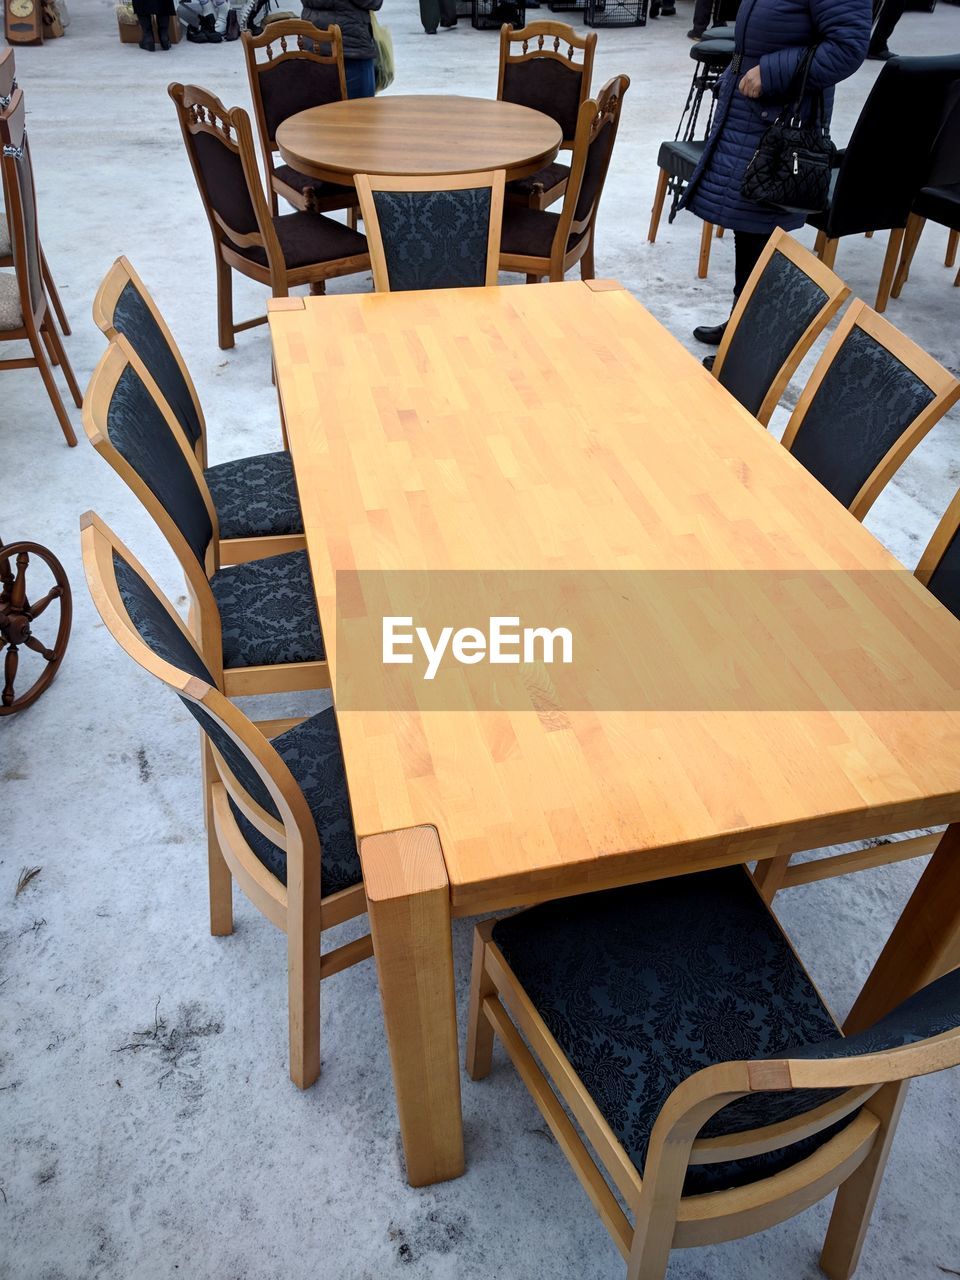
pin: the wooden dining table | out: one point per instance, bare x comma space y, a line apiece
560, 433
409, 135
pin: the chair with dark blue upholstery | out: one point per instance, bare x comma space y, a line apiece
258, 510
683, 1033
256, 623
277, 808
538, 69
280, 252
541, 243
786, 304
871, 399
302, 67
441, 232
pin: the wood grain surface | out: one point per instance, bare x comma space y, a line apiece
560, 427
422, 134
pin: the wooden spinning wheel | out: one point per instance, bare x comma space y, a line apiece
17, 616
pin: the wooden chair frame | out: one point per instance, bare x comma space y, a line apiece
594, 114
368, 184
298, 908
37, 328
665, 1219
203, 619
202, 112
837, 293
558, 33
279, 33
826, 251
911, 239
942, 383
8, 83
232, 550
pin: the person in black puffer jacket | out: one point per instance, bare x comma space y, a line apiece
772, 37
359, 50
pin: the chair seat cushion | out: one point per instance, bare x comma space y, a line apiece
311, 751
267, 612
680, 158
11, 313
547, 178
529, 233
291, 177
255, 497
307, 238
716, 52
643, 986
5, 246
941, 204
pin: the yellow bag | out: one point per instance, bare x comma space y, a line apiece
383, 62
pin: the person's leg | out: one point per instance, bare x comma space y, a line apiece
360, 76
430, 15
747, 246
891, 11
448, 13
146, 28
701, 18
163, 30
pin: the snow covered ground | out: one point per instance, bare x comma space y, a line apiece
147, 1126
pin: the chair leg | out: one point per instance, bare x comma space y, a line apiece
953, 240
303, 994
46, 373
225, 331
720, 231
956, 281
218, 873
856, 1197
51, 349
586, 262
63, 362
658, 203
479, 1031
532, 279
705, 237
820, 241
868, 235
890, 260
828, 251
915, 225
53, 295
769, 876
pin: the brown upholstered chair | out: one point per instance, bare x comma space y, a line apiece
537, 71
280, 252
8, 82
301, 67
542, 243
25, 314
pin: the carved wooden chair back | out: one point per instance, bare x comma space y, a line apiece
291, 67
8, 77
871, 399
539, 69
788, 301
439, 232
255, 797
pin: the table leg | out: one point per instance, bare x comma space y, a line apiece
925, 942
408, 904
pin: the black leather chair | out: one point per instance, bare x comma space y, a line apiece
887, 160
938, 201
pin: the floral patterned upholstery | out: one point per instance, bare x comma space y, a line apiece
11, 312
945, 579
874, 397
780, 308
312, 753
434, 239
6, 248
644, 986
255, 497
267, 612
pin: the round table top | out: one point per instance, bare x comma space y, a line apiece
417, 136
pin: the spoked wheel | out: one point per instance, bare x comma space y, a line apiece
17, 616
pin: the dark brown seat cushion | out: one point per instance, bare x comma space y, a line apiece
546, 178
529, 233
306, 238
324, 190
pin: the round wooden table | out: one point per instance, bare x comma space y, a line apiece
416, 136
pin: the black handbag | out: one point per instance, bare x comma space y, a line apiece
790, 169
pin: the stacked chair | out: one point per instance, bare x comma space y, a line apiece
275, 800
26, 314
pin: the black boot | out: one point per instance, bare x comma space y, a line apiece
208, 25
146, 40
163, 31
710, 335
708, 362
233, 26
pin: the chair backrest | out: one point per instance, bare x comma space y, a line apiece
939, 567
257, 781
123, 306
21, 199
739, 1110
597, 127
130, 424
944, 170
888, 157
871, 399
219, 143
539, 69
441, 232
8, 77
291, 67
788, 301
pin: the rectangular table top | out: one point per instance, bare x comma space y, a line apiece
561, 429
